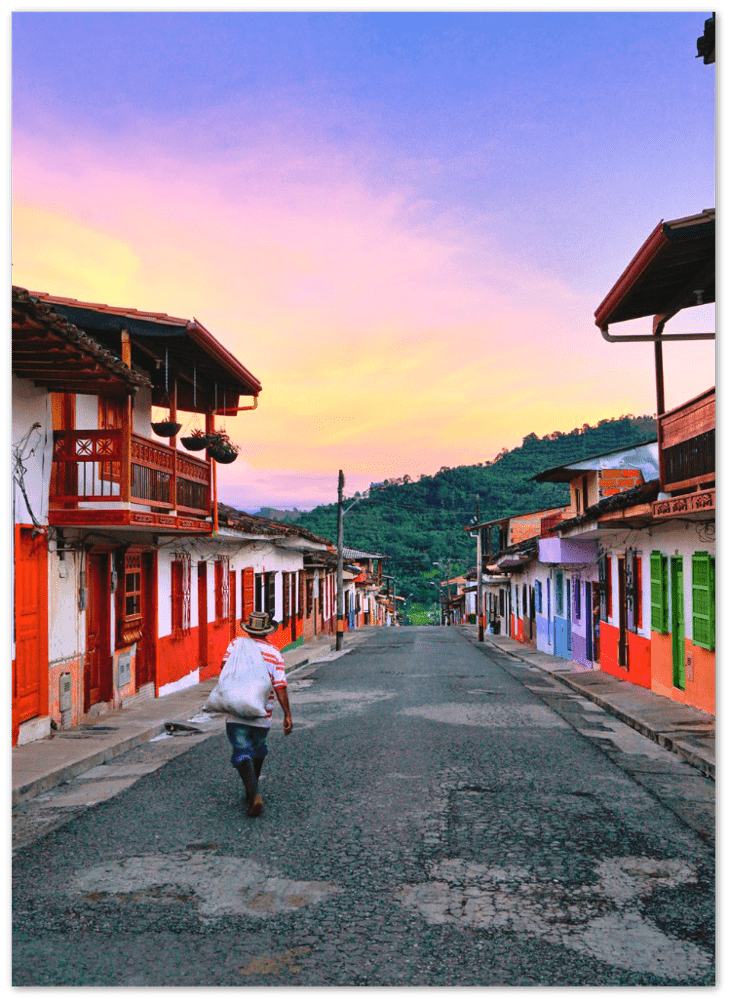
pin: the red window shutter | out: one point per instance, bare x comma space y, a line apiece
248, 596
176, 597
286, 597
638, 584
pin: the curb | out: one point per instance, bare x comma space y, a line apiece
689, 754
47, 781
44, 783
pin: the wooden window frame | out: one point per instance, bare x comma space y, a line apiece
180, 574
637, 591
659, 593
286, 610
608, 587
703, 594
222, 588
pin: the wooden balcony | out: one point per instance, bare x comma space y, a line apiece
96, 479
686, 437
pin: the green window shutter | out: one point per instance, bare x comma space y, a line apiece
703, 602
659, 591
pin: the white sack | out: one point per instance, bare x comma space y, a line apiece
244, 686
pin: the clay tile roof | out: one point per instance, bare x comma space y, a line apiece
642, 494
54, 353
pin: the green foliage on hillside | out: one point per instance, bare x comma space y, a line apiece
418, 522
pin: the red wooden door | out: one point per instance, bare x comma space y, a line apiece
147, 646
30, 681
202, 614
98, 675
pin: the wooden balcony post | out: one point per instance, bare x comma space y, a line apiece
658, 324
173, 443
125, 485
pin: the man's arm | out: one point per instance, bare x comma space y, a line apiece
283, 700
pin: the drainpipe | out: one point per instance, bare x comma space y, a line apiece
239, 409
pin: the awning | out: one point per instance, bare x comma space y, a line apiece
674, 264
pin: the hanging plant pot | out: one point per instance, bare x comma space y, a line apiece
195, 441
166, 428
223, 455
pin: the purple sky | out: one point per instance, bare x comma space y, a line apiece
401, 223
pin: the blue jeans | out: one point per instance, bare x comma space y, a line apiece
248, 742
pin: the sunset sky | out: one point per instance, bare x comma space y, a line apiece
402, 224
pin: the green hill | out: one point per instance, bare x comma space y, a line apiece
416, 522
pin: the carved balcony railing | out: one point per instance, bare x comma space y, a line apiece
687, 443
93, 467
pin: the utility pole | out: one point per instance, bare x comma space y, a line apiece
479, 571
340, 566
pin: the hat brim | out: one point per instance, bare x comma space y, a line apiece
259, 631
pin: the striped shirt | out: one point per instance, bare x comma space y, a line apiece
277, 670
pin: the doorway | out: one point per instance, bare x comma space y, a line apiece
30, 678
677, 623
98, 678
147, 645
622, 615
202, 614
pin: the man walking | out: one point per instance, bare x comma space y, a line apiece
247, 734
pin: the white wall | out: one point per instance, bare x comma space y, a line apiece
31, 405
674, 538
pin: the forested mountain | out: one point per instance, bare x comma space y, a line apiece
416, 522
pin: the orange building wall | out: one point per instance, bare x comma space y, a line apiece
700, 691
609, 636
639, 660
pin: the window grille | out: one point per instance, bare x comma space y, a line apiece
181, 602
222, 588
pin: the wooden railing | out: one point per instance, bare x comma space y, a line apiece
687, 443
88, 467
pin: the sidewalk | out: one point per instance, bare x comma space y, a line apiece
45, 763
686, 731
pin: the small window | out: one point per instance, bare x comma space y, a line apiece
222, 588
578, 599
609, 586
703, 600
659, 593
180, 572
637, 591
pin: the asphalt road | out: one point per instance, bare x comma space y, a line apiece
440, 816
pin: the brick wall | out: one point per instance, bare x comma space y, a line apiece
614, 481
528, 525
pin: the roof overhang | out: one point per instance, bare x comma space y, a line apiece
208, 375
674, 265
53, 353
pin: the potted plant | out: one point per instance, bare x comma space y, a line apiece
166, 428
221, 448
196, 441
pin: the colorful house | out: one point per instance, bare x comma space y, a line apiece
675, 270
130, 579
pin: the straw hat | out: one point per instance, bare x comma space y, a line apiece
259, 623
